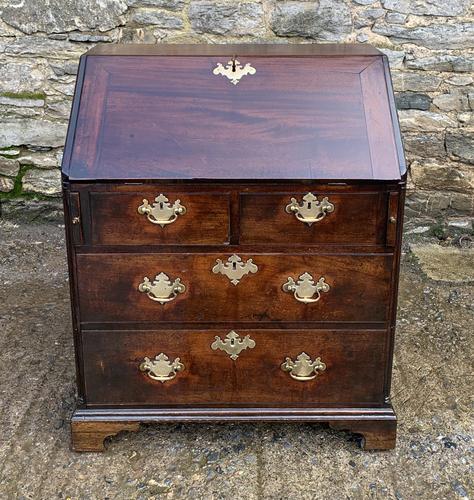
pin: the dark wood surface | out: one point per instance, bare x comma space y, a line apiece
265, 221
355, 363
90, 427
115, 220
359, 288
238, 49
317, 119
296, 118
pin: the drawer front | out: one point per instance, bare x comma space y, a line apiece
350, 370
112, 287
185, 218
352, 218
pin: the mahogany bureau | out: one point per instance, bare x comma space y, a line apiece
233, 218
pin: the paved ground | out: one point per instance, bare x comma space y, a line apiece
432, 392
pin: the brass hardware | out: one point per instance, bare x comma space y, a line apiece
234, 70
76, 220
304, 289
303, 368
392, 220
161, 212
234, 268
160, 368
233, 345
310, 210
161, 289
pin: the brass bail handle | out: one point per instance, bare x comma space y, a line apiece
161, 212
310, 210
161, 289
305, 289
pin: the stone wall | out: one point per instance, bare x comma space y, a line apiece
430, 45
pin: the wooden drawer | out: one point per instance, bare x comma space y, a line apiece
346, 218
116, 220
353, 375
359, 286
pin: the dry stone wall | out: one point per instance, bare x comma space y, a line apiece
430, 45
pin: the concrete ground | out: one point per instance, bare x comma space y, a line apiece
432, 393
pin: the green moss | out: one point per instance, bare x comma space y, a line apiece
17, 191
24, 95
439, 231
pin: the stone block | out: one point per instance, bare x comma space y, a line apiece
413, 120
437, 36
226, 18
45, 182
31, 131
436, 176
429, 7
9, 167
57, 16
158, 18
412, 100
325, 20
460, 145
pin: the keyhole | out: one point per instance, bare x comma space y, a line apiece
234, 265
309, 206
161, 205
233, 64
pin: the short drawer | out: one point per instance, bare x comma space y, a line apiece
159, 218
206, 288
309, 218
343, 367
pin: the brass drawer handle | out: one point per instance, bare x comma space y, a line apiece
161, 212
304, 289
303, 368
310, 210
234, 268
233, 345
161, 289
161, 368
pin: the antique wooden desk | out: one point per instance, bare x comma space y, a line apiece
233, 218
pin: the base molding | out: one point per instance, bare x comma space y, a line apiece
90, 427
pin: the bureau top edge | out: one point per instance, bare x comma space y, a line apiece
240, 49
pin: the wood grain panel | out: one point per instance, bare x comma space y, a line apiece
108, 288
264, 219
116, 221
296, 118
353, 376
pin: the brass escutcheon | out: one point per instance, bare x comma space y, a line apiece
234, 71
303, 368
233, 345
304, 289
234, 268
161, 368
161, 289
161, 212
310, 210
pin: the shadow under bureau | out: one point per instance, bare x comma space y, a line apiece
233, 218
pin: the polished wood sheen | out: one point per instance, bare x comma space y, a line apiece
296, 118
116, 221
355, 361
359, 288
151, 120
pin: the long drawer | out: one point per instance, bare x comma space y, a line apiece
195, 287
273, 367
